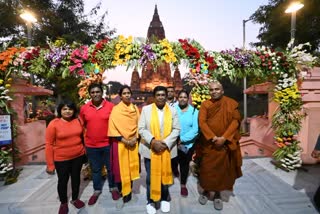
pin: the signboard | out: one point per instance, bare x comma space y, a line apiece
5, 130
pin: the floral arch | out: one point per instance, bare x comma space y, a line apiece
88, 62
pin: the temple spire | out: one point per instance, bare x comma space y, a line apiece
156, 10
155, 30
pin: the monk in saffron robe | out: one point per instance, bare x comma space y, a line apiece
219, 148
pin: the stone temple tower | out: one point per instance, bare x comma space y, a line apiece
161, 75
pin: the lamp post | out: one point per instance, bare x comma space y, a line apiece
245, 109
29, 18
109, 90
293, 8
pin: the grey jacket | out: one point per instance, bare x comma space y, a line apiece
146, 136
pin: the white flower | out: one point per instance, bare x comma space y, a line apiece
297, 153
5, 91
8, 98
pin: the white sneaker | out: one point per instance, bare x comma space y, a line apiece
165, 206
151, 209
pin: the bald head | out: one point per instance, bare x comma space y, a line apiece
216, 90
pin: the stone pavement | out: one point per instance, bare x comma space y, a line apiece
262, 189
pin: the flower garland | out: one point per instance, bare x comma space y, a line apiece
287, 120
122, 50
6, 57
84, 85
164, 51
87, 62
78, 59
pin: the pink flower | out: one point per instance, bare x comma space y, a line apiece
81, 72
76, 61
72, 68
198, 68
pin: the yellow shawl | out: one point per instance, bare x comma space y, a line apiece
160, 163
124, 122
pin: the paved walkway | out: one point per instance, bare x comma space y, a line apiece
262, 189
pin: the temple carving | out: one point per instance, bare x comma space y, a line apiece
160, 75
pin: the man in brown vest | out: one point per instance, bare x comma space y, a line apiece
219, 149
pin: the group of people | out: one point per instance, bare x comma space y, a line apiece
167, 134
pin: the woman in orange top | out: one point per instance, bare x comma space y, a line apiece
65, 153
123, 130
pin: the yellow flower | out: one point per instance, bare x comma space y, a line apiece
130, 38
167, 59
1, 81
7, 86
127, 57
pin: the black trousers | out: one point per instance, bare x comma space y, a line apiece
65, 169
174, 165
184, 161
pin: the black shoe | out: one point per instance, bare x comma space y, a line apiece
127, 198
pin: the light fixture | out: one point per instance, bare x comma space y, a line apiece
295, 6
28, 17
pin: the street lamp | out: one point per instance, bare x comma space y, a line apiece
293, 8
29, 18
245, 109
109, 90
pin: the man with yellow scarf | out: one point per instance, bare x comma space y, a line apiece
159, 129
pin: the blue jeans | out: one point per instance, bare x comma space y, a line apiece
164, 188
97, 158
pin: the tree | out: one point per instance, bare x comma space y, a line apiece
276, 25
56, 19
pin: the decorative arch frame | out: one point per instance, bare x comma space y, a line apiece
282, 68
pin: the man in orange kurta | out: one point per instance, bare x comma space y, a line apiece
219, 150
